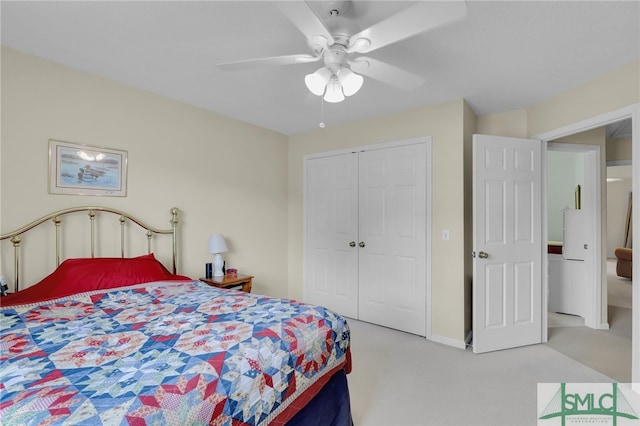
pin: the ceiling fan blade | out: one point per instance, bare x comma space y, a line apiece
303, 17
416, 19
262, 62
386, 73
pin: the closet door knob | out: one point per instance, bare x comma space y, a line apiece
352, 244
361, 244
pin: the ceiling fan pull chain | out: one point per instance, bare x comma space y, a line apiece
321, 112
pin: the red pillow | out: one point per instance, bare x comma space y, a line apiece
80, 275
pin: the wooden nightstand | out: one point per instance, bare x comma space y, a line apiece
228, 281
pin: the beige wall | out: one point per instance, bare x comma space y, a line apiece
444, 123
618, 193
612, 91
511, 123
1, 156
225, 175
619, 149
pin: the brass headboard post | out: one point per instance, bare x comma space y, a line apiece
149, 235
92, 219
56, 217
122, 221
57, 221
15, 240
174, 233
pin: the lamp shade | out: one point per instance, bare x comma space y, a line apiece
351, 82
317, 81
217, 244
334, 91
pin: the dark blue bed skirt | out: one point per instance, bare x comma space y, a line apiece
330, 407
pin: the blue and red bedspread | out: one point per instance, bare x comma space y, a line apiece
179, 353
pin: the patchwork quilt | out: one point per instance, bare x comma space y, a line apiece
164, 353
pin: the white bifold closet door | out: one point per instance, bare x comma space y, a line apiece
331, 262
365, 236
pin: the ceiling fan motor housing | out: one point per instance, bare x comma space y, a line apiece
335, 57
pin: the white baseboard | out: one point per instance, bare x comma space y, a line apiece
460, 344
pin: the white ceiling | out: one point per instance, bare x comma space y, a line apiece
503, 56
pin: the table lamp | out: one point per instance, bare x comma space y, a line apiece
217, 245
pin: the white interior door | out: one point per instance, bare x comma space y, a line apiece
392, 237
331, 254
507, 241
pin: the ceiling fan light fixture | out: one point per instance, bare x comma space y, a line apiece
334, 91
317, 81
350, 81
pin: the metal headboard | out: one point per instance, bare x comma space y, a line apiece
56, 218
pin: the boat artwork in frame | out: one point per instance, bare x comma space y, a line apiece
86, 170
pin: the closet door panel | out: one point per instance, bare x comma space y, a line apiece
392, 276
331, 264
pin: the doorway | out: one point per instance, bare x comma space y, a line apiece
574, 224
631, 112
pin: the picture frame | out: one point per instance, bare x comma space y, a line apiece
77, 169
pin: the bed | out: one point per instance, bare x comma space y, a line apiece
125, 341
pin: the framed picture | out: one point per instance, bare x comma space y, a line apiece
86, 170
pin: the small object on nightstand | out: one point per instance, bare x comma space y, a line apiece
232, 271
4, 288
230, 281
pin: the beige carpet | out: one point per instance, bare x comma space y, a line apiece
606, 351
400, 379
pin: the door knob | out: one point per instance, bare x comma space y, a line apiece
483, 255
361, 244
352, 244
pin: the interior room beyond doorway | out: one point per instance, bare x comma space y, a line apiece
568, 333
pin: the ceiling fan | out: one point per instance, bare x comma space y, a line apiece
339, 44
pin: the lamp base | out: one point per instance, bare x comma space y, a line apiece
218, 263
